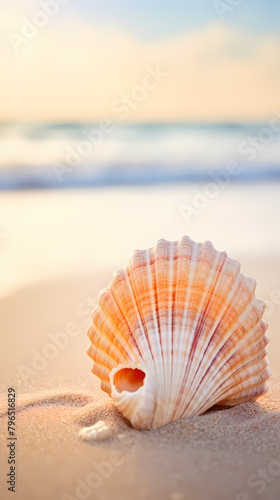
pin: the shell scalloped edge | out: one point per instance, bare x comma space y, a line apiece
177, 331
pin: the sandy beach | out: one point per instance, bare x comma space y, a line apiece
228, 454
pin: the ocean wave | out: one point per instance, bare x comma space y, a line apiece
52, 156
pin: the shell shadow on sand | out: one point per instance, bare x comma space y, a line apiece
219, 428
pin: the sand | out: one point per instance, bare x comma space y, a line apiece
228, 454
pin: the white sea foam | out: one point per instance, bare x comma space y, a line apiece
133, 154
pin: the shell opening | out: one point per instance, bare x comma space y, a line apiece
129, 379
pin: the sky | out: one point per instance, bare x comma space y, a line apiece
140, 61
159, 19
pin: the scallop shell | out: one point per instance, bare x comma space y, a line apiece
177, 331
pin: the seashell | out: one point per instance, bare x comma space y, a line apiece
97, 432
178, 331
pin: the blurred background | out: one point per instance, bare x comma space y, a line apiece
123, 122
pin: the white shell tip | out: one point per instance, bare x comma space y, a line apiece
96, 432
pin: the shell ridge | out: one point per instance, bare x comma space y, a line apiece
116, 318
186, 250
215, 276
102, 353
186, 380
226, 370
231, 332
161, 273
134, 285
186, 268
231, 385
120, 346
251, 380
176, 317
183, 333
160, 391
210, 346
173, 276
140, 342
214, 370
158, 354
170, 287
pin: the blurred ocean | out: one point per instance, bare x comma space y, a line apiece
85, 155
